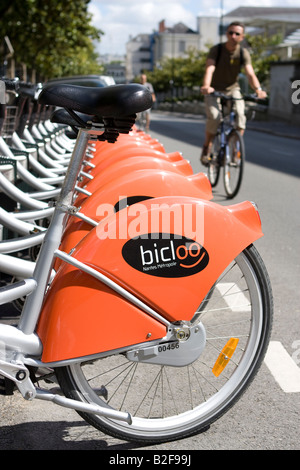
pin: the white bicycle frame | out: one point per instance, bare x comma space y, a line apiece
23, 222
21, 346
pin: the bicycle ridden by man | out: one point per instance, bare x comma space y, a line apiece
223, 65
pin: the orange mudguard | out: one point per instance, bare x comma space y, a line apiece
128, 165
159, 184
136, 162
127, 189
126, 146
141, 250
113, 157
125, 138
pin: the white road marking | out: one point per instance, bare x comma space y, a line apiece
284, 370
234, 297
281, 365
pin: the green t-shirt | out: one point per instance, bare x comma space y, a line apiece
225, 77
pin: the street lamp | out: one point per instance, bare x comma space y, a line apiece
221, 20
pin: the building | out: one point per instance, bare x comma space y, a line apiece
290, 47
114, 66
138, 55
145, 51
266, 19
208, 28
173, 41
117, 71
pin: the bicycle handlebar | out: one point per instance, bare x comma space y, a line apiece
251, 97
254, 97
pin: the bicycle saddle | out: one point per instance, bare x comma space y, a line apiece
113, 101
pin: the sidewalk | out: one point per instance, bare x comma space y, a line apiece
274, 127
279, 128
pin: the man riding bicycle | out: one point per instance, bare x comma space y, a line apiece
223, 66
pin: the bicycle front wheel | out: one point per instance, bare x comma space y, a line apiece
213, 171
169, 403
234, 164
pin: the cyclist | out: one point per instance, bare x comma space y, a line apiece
143, 81
223, 66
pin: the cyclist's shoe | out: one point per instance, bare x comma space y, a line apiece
237, 157
205, 156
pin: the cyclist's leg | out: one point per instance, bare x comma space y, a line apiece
141, 121
147, 117
240, 111
213, 115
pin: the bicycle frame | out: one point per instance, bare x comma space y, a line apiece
53, 237
224, 133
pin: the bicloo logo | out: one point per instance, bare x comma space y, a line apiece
147, 220
166, 255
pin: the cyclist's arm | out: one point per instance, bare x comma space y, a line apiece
254, 82
209, 71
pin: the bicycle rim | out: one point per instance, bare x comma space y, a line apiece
169, 403
234, 164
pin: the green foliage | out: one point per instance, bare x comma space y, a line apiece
179, 72
53, 37
262, 54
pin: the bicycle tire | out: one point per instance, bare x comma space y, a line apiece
213, 170
234, 164
183, 385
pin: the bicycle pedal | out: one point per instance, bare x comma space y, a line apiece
7, 386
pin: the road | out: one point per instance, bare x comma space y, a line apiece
268, 415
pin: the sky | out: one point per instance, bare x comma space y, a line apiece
119, 19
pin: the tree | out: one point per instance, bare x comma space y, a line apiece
54, 38
179, 72
262, 53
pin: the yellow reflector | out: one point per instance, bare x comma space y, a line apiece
225, 356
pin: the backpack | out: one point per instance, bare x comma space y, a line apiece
242, 60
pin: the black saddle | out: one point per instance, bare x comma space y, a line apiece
115, 106
112, 101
